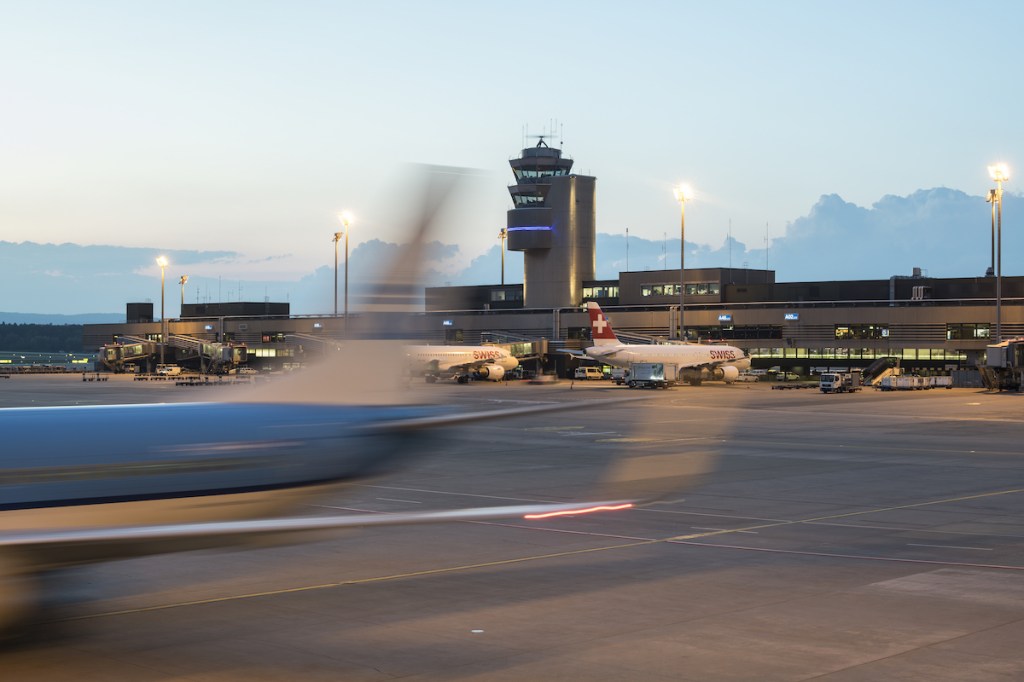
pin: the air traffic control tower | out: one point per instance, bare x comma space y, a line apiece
553, 224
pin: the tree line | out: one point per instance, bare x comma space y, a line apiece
41, 338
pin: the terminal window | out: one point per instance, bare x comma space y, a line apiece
507, 295
967, 331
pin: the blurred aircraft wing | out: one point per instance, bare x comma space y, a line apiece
78, 546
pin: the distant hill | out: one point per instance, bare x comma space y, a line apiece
41, 338
83, 318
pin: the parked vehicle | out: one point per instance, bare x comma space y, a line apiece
748, 376
839, 382
619, 375
589, 373
168, 370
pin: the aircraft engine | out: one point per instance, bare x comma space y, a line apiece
490, 372
729, 373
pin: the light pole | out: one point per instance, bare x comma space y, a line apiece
162, 262
346, 221
184, 278
682, 193
336, 239
503, 235
1000, 172
991, 199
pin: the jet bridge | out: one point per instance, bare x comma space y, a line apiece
126, 352
214, 358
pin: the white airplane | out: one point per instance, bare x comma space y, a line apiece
461, 362
696, 362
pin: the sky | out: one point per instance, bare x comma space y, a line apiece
245, 126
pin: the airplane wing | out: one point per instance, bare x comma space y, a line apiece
465, 366
55, 548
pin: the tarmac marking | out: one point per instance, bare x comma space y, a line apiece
394, 499
678, 539
977, 549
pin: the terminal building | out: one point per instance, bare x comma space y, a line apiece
930, 324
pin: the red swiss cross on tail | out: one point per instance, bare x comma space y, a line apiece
600, 327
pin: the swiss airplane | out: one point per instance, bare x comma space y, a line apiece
462, 362
696, 362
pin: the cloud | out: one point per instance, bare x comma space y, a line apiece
946, 232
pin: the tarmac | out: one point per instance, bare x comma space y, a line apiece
866, 536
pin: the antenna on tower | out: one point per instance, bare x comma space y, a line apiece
561, 136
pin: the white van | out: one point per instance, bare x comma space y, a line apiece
168, 370
589, 373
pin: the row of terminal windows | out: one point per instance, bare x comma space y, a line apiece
763, 331
858, 353
954, 331
605, 291
692, 289
861, 331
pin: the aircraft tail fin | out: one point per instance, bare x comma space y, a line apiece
600, 327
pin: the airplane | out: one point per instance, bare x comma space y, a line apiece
462, 362
696, 362
85, 484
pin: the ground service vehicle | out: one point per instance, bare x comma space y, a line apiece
652, 375
840, 382
619, 375
589, 373
168, 370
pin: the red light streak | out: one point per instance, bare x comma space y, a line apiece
575, 512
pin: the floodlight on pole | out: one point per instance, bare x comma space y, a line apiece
162, 262
1000, 172
682, 193
182, 281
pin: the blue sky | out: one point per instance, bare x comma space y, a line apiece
245, 126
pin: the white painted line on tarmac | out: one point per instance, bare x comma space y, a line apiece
392, 499
977, 549
747, 532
